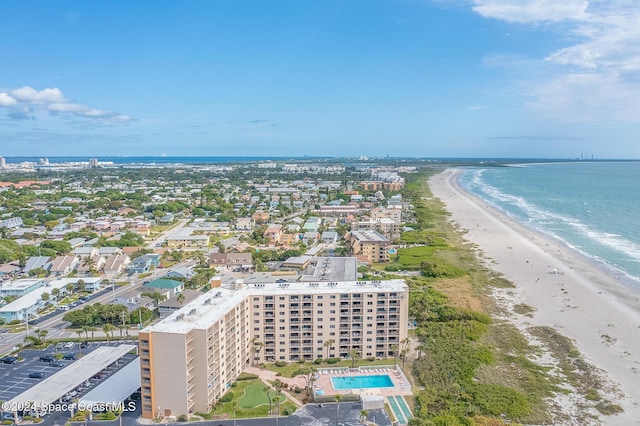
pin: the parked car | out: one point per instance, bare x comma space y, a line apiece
36, 375
69, 356
47, 358
56, 364
8, 360
98, 376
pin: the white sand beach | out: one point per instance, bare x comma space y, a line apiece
569, 292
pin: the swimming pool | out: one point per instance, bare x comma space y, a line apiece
361, 382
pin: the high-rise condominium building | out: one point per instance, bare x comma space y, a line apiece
190, 359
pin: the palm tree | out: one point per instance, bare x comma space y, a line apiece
363, 414
355, 357
55, 293
89, 263
406, 348
277, 385
45, 297
108, 328
338, 398
180, 298
42, 334
267, 390
328, 345
81, 285
234, 406
394, 349
69, 287
86, 329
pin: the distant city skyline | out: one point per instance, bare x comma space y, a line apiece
413, 78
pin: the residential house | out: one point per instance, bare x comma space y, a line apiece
20, 287
182, 272
273, 233
64, 265
329, 237
35, 262
168, 288
116, 264
244, 224
231, 260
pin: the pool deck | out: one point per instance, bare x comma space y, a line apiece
400, 386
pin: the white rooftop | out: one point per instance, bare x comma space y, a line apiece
56, 386
211, 306
116, 388
28, 300
21, 284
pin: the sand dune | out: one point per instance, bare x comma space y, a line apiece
569, 293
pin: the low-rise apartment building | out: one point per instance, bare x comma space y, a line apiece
371, 245
190, 359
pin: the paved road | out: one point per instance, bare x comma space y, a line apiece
56, 325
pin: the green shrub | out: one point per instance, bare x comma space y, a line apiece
496, 400
227, 397
246, 376
333, 360
234, 384
280, 364
318, 361
7, 422
182, 418
110, 415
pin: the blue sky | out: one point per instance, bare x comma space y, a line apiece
429, 78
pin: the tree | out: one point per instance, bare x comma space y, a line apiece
394, 349
42, 334
45, 297
69, 287
328, 344
234, 406
355, 357
267, 390
55, 292
307, 373
338, 398
81, 285
257, 348
406, 348
277, 385
180, 298
363, 415
89, 263
108, 328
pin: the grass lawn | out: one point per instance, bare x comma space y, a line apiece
243, 394
254, 396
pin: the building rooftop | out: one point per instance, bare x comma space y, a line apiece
163, 283
57, 385
211, 306
116, 388
373, 236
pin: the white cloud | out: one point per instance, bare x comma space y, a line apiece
6, 100
531, 10
32, 96
26, 99
592, 78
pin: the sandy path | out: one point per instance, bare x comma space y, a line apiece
569, 292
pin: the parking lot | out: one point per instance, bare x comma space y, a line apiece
14, 378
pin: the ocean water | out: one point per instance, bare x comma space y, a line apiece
593, 207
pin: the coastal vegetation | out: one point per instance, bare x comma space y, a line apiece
470, 367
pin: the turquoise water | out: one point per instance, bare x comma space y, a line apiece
592, 207
361, 382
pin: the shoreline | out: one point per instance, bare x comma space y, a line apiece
568, 291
